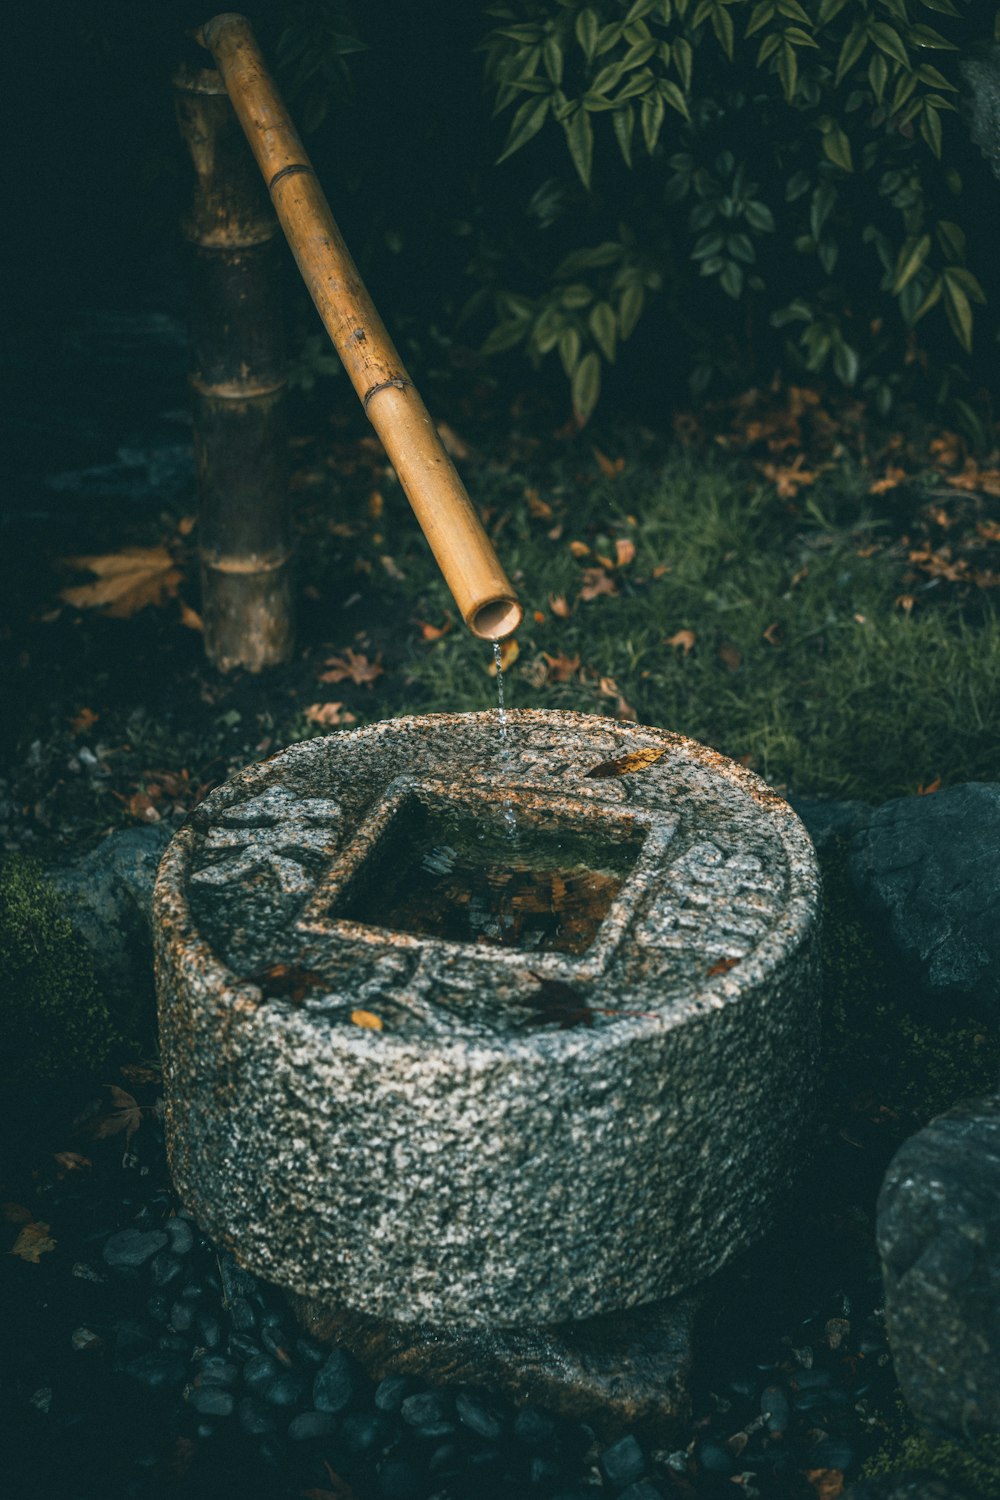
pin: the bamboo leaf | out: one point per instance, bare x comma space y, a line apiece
683, 61
673, 96
889, 40
932, 298
527, 122
580, 139
569, 350
604, 327
829, 10
731, 279
951, 238
930, 128
926, 36
623, 121
722, 25
911, 258
630, 308
608, 77
878, 75
929, 74
641, 53
768, 47
965, 279
587, 28
759, 17
855, 43
586, 387
759, 216
639, 83
956, 305
837, 148
504, 336
788, 70
652, 119
943, 7
553, 55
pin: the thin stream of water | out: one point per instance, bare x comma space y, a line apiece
509, 816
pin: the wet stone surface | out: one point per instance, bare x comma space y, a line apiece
536, 1122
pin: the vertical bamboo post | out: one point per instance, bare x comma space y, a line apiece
237, 378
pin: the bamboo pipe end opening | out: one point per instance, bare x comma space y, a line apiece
495, 619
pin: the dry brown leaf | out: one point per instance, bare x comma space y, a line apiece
947, 449
638, 760
930, 788
798, 575
559, 606
329, 715
788, 479
828, 1483
15, 1213
772, 634
126, 581
538, 617
353, 665
186, 525
191, 618
661, 569
596, 582
84, 720
434, 632
579, 549
72, 1161
609, 467
624, 551
722, 967
905, 602
392, 568
561, 668
989, 530
509, 652
986, 481
126, 1116
538, 507
684, 639
454, 446
730, 657
367, 1020
890, 479
287, 982
33, 1242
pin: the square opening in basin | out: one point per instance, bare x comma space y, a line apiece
460, 871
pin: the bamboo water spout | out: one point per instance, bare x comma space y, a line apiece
440, 502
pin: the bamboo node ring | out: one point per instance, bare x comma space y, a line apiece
288, 171
397, 383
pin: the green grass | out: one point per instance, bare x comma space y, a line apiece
856, 699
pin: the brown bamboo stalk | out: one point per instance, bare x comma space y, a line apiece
237, 379
464, 553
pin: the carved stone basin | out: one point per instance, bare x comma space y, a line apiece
429, 1070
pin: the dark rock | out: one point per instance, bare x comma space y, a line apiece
243, 1315
235, 1281
215, 1370
926, 868
622, 1462
939, 1238
715, 1459
908, 1484
833, 1453
165, 1268
158, 1307
982, 79
209, 1330
255, 1417
621, 1372
364, 1430
309, 1350
775, 1409
181, 1315
311, 1424
276, 1341
478, 1416
172, 1341
389, 1393
133, 1247
259, 1371
335, 1382
157, 1370
827, 819
429, 1414
180, 1233
109, 893
399, 1479
542, 1470
534, 1428
212, 1401
286, 1389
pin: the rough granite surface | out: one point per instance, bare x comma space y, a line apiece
464, 1165
939, 1239
926, 867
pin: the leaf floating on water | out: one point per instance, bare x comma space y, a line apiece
637, 761
367, 1019
287, 982
556, 1003
723, 966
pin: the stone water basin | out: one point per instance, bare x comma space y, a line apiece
426, 1072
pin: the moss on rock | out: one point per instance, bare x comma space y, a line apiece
974, 1465
54, 1022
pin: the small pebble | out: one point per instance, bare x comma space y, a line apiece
715, 1459
364, 1430
242, 1347
255, 1418
775, 1409
480, 1418
258, 1372
132, 1247
181, 1316
622, 1462
542, 1470
165, 1268
286, 1389
158, 1307
390, 1392
312, 1424
309, 1350
215, 1370
429, 1414
534, 1428
643, 1489
180, 1234
335, 1382
209, 1330
212, 1401
243, 1315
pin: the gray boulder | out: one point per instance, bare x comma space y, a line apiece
939, 1239
827, 819
108, 893
906, 1484
928, 871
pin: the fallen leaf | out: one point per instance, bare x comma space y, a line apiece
556, 1003
538, 507
579, 549
33, 1242
889, 481
772, 634
609, 467
126, 581
905, 602
538, 617
559, 607
142, 805
376, 505
434, 632
191, 618
828, 1483
287, 982
84, 720
329, 715
684, 639
367, 1020
453, 444
723, 966
125, 1116
391, 567
730, 657
798, 575
638, 760
930, 788
624, 551
989, 530
595, 582
353, 665
561, 668
15, 1213
509, 652
72, 1161
661, 570
788, 479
